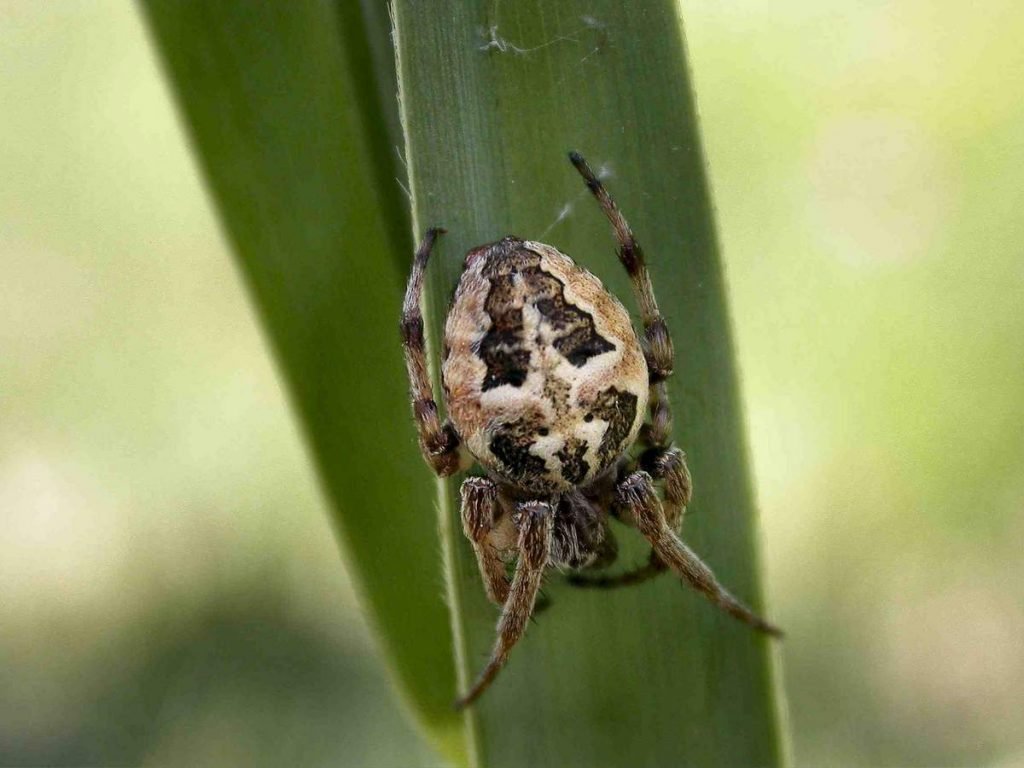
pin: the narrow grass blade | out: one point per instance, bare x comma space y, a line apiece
493, 96
289, 127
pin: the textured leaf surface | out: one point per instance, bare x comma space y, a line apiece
287, 116
493, 97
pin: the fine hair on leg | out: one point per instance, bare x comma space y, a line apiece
534, 521
438, 442
636, 497
657, 343
669, 466
479, 517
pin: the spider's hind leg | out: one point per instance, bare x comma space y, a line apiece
653, 568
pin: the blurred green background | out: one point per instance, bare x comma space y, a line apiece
170, 589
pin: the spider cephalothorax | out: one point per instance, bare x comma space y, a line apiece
547, 387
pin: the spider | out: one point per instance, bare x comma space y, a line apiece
547, 386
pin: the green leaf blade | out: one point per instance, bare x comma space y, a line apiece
290, 138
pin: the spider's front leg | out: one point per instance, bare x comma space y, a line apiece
534, 519
480, 512
438, 442
639, 505
669, 466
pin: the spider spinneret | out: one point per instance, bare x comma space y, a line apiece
547, 387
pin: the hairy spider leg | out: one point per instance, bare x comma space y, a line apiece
479, 518
654, 567
534, 520
668, 464
638, 502
663, 461
438, 442
657, 342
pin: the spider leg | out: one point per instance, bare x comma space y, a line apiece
654, 567
534, 520
662, 461
657, 342
479, 519
669, 466
636, 497
438, 442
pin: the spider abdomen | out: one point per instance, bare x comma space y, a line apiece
546, 381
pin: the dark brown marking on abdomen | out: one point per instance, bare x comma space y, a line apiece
574, 466
511, 445
516, 280
619, 410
